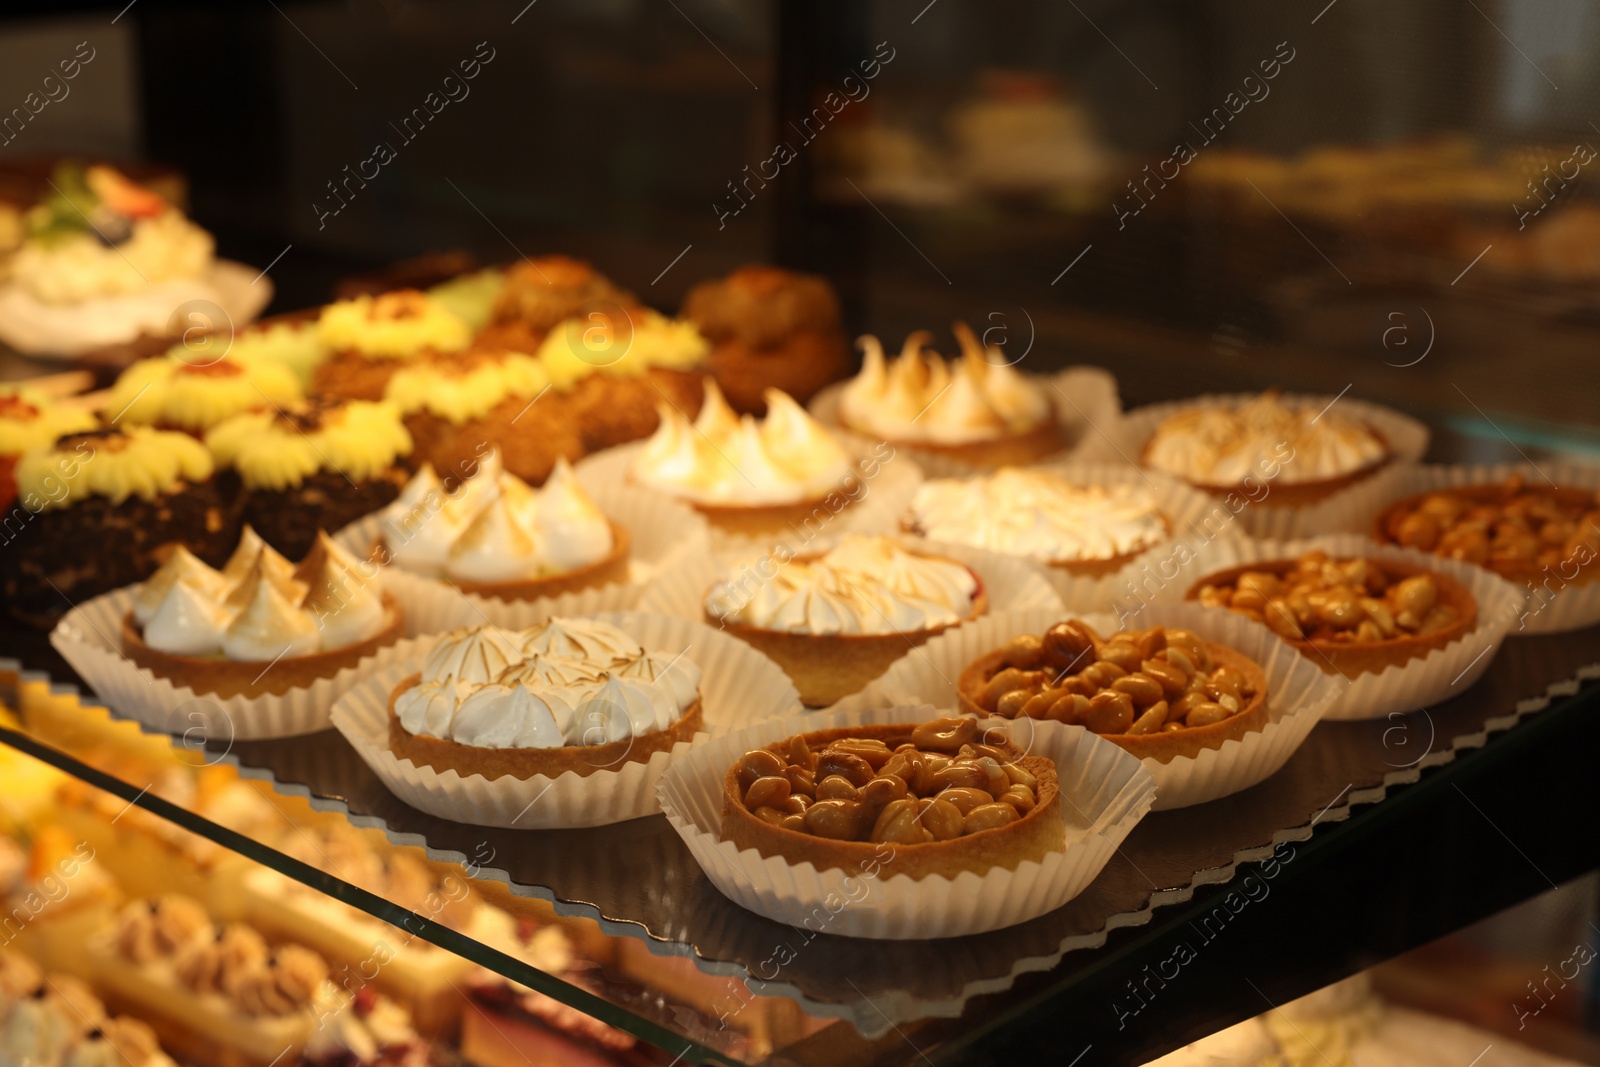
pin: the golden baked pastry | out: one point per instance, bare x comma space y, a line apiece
770, 329
1348, 616
835, 620
1523, 532
1158, 693
540, 293
942, 797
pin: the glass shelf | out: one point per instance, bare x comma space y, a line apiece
639, 884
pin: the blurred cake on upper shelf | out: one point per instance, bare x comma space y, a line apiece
105, 261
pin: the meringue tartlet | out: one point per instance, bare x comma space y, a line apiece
836, 620
976, 410
315, 465
745, 475
569, 696
1303, 450
261, 625
1088, 531
494, 535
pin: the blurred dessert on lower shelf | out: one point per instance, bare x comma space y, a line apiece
55, 1020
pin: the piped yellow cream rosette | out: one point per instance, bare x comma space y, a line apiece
195, 397
601, 343
393, 325
28, 419
134, 461
274, 451
460, 396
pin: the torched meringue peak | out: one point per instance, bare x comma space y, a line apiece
261, 606
495, 527
919, 396
863, 585
1268, 437
725, 459
568, 681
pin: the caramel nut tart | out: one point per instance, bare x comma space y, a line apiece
1348, 616
837, 619
570, 696
746, 476
944, 799
1161, 694
978, 410
1524, 533
1085, 531
1304, 455
261, 625
495, 536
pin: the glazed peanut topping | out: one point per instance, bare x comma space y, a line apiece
1138, 682
941, 783
1348, 600
1508, 527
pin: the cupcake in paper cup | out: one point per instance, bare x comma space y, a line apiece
836, 615
1405, 630
1271, 457
904, 822
782, 478
975, 413
260, 648
1211, 702
1537, 527
1092, 528
521, 555
568, 723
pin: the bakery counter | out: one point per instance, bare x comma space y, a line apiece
1389, 832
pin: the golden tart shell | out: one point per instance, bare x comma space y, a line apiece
608, 571
1285, 494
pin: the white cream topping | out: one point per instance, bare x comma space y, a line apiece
863, 585
1039, 515
566, 682
495, 527
1225, 445
260, 606
921, 397
724, 459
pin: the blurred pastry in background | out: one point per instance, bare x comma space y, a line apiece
291, 340
537, 294
769, 329
105, 260
1023, 134
471, 296
57, 1019
103, 509
314, 465
371, 337
30, 419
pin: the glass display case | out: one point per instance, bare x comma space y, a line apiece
1266, 321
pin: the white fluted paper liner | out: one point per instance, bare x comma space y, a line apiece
1195, 517
1085, 399
1299, 694
1407, 439
1105, 792
1012, 583
1555, 604
738, 686
1402, 688
887, 480
89, 638
662, 535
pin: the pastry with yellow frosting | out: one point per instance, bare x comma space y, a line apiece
373, 336
746, 475
837, 619
456, 404
261, 624
182, 393
31, 420
977, 410
315, 465
770, 329
612, 368
491, 534
290, 340
100, 510
1303, 450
